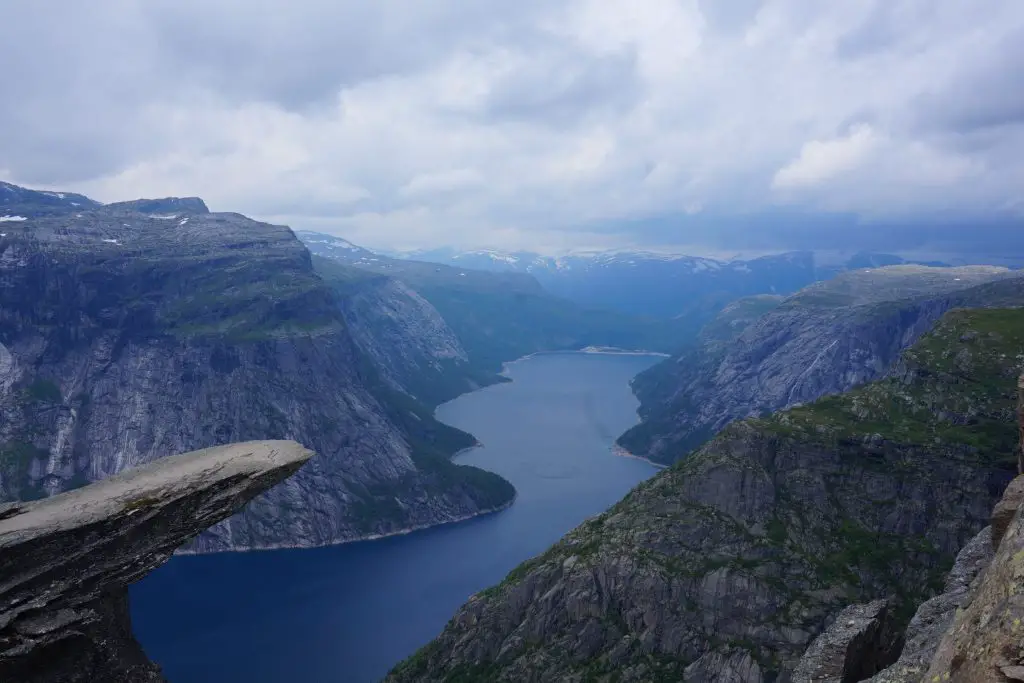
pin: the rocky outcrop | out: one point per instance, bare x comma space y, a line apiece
983, 643
859, 642
1020, 421
65, 561
939, 631
1005, 510
128, 336
935, 615
825, 339
734, 560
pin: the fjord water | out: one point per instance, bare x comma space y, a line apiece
347, 614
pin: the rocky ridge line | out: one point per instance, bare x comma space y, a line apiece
826, 339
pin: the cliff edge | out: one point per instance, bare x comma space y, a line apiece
66, 561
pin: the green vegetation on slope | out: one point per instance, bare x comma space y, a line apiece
433, 444
736, 317
499, 317
750, 544
657, 383
859, 322
956, 386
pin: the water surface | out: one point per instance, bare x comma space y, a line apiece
348, 613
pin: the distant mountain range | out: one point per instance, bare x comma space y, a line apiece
690, 289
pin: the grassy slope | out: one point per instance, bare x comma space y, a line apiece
977, 351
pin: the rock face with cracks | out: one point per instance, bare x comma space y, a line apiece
135, 331
826, 339
66, 561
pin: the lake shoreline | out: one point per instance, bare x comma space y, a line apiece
620, 452
587, 350
373, 537
351, 609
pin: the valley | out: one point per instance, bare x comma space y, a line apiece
810, 439
726, 565
488, 342
349, 613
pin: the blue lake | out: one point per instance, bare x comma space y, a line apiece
347, 614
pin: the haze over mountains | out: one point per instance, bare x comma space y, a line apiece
314, 233
659, 285
138, 329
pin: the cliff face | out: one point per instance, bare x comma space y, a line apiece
65, 561
826, 339
982, 644
127, 336
726, 566
406, 338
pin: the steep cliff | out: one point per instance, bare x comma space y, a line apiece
403, 334
825, 339
65, 562
982, 642
126, 336
726, 566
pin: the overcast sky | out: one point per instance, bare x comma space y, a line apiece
537, 123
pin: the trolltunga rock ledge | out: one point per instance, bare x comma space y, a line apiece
66, 561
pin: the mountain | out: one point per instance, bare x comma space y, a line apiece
330, 246
825, 339
19, 203
167, 205
646, 283
498, 317
128, 333
411, 344
663, 284
726, 566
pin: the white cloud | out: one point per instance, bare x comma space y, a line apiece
522, 124
442, 182
821, 160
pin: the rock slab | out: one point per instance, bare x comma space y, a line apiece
66, 561
858, 643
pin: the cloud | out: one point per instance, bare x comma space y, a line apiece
531, 124
821, 160
442, 182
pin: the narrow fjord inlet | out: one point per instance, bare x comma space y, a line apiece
675, 341
349, 613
